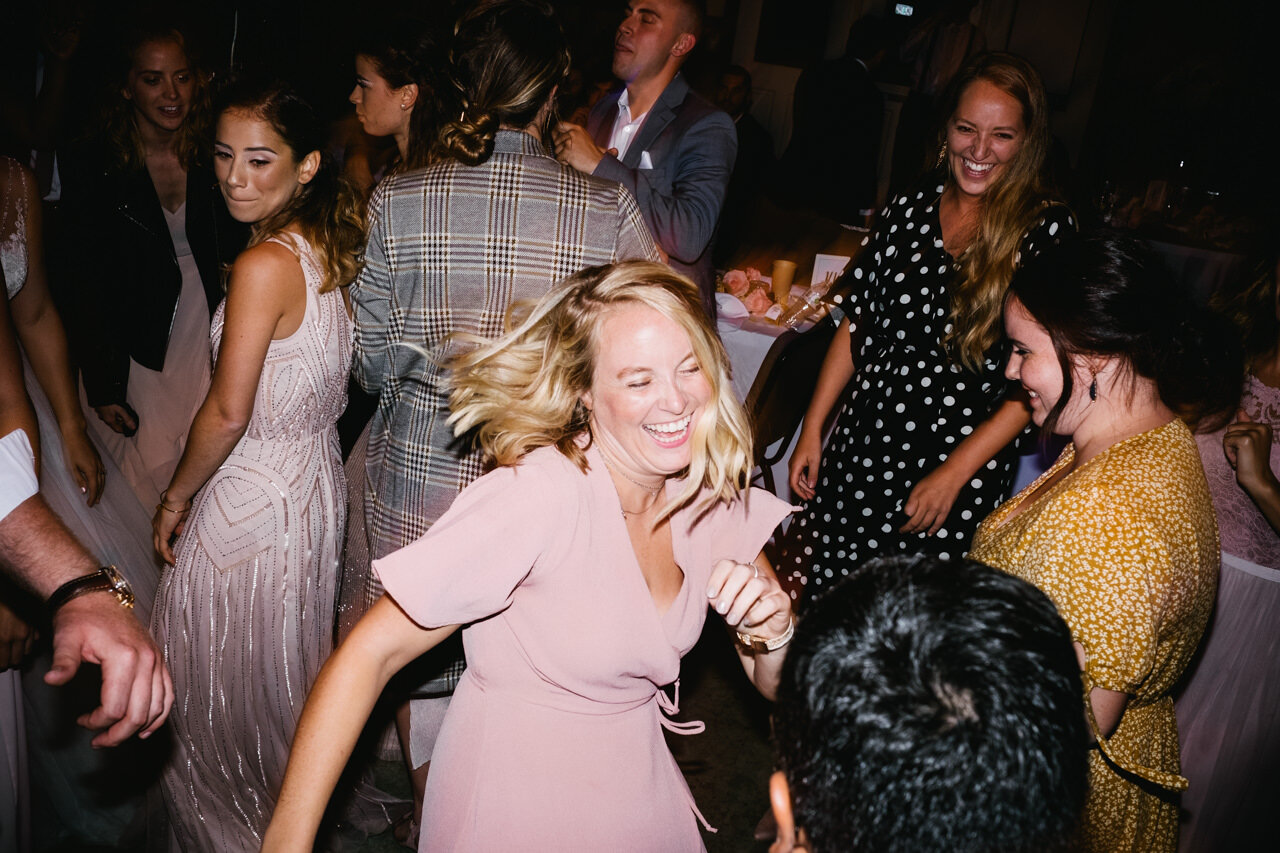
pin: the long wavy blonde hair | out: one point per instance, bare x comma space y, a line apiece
125, 151
1008, 207
524, 390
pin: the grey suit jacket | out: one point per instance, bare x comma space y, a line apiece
691, 146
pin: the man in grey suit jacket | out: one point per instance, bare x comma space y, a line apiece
670, 147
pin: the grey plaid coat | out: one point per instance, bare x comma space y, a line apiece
450, 248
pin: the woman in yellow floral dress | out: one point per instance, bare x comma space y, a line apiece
1120, 533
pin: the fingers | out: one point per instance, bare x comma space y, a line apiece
800, 479
66, 661
744, 594
126, 682
161, 699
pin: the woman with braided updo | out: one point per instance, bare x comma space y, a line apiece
493, 219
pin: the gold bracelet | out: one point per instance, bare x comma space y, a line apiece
162, 506
759, 644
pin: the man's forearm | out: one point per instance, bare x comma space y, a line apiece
38, 551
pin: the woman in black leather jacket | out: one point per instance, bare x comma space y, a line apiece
156, 235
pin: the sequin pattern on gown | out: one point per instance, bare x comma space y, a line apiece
246, 615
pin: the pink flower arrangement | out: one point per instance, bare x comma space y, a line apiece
737, 283
758, 300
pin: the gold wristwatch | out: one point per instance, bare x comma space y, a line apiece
105, 579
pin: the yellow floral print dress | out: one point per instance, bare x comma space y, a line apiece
1127, 548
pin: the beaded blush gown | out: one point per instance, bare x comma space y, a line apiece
246, 616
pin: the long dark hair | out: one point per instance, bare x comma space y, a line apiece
1108, 295
326, 209
405, 52
506, 57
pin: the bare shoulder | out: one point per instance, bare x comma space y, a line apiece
267, 266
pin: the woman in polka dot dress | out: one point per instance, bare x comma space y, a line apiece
1120, 532
924, 445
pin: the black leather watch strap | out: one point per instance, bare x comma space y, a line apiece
105, 579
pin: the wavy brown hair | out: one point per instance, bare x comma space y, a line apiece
1251, 305
1008, 208
524, 390
327, 209
124, 147
506, 58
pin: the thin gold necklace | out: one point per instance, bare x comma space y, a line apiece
653, 490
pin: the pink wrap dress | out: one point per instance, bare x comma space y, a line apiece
554, 739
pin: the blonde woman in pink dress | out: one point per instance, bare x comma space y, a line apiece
580, 571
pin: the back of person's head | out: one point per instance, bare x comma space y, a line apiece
524, 390
1108, 294
506, 58
326, 209
931, 705
693, 13
405, 52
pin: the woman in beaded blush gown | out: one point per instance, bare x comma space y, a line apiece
1229, 710
245, 616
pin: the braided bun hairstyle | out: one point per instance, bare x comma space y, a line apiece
506, 58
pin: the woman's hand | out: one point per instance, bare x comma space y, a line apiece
118, 418
84, 464
16, 638
930, 502
1248, 448
167, 524
750, 599
803, 468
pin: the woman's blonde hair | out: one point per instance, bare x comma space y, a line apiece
125, 152
1008, 207
524, 390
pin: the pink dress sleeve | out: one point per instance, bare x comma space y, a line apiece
469, 563
737, 531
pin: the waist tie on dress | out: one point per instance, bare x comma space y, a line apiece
670, 707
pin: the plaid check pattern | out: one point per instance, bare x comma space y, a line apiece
450, 248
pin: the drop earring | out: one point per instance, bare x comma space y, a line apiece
1093, 389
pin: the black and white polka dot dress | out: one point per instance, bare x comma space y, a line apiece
907, 407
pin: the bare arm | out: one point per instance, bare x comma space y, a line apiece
931, 499
382, 642
15, 406
40, 330
837, 370
266, 298
751, 600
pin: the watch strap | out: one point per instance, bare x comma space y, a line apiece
105, 579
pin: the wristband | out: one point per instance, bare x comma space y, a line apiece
105, 579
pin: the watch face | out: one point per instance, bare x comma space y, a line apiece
119, 585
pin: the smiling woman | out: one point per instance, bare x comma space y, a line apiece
258, 501
925, 442
616, 515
